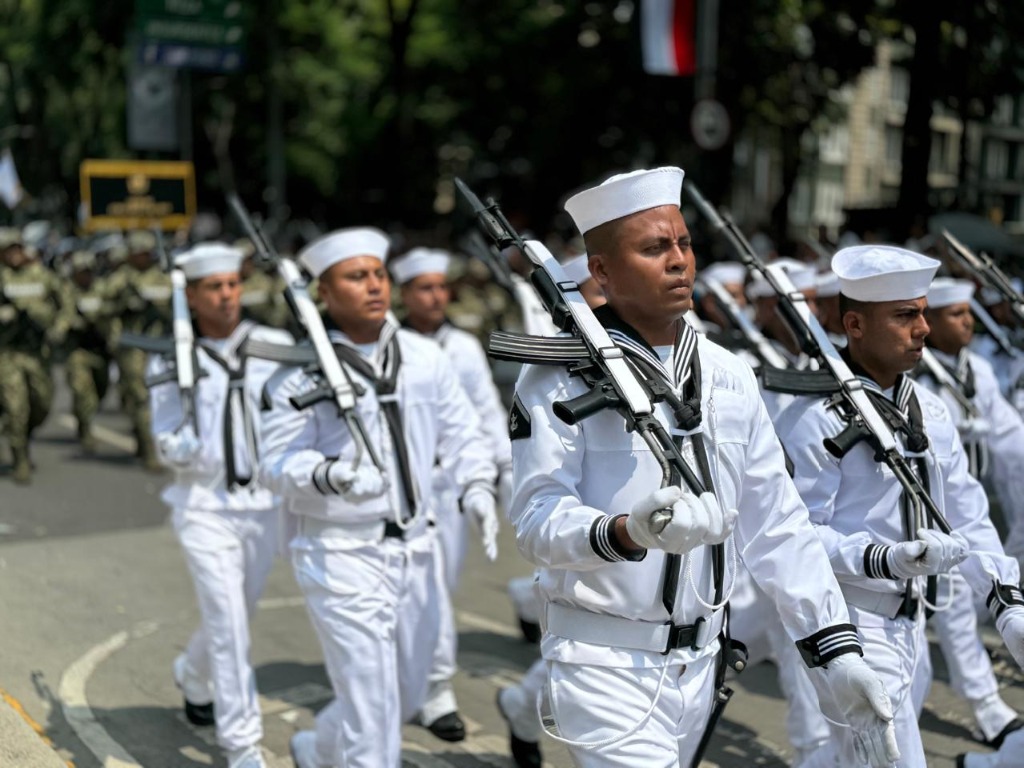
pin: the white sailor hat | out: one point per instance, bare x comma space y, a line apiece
208, 259
800, 273
577, 269
725, 272
341, 245
420, 261
946, 291
883, 273
625, 194
990, 296
827, 283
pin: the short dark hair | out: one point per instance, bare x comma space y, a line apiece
846, 304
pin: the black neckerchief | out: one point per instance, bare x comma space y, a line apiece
235, 396
665, 383
382, 372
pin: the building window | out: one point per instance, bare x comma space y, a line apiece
996, 160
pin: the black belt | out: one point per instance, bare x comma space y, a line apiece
908, 607
683, 636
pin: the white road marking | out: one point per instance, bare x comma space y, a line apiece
111, 754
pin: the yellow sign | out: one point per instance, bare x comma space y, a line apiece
129, 194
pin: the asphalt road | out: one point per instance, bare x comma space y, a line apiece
95, 602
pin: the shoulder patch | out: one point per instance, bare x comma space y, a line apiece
518, 420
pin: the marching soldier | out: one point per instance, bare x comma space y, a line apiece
881, 545
365, 553
422, 275
226, 519
632, 624
138, 295
262, 293
88, 360
34, 318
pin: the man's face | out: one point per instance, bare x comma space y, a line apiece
426, 297
647, 269
141, 260
356, 291
14, 256
952, 327
217, 300
890, 334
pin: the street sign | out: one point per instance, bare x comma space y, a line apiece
195, 34
709, 123
129, 194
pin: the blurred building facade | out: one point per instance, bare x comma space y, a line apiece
855, 163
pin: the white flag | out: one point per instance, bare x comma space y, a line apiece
10, 188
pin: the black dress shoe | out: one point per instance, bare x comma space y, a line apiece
525, 754
530, 630
1014, 725
448, 727
199, 714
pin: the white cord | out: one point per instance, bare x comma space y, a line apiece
952, 594
545, 692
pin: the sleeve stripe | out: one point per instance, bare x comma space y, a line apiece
876, 562
1002, 597
599, 540
321, 480
821, 647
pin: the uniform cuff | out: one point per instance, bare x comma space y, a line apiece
821, 647
607, 545
876, 562
321, 478
1003, 596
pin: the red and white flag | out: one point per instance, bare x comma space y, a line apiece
667, 36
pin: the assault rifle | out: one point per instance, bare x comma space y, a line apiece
948, 382
865, 421
752, 336
319, 355
993, 329
181, 346
474, 245
988, 273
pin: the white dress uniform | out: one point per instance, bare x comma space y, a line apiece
227, 520
368, 568
855, 505
570, 484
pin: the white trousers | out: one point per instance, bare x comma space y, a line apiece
373, 605
897, 650
1008, 756
522, 700
229, 555
592, 704
970, 668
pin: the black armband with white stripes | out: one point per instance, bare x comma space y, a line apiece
1003, 596
876, 562
821, 647
607, 545
322, 478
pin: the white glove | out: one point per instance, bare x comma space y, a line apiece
932, 553
862, 699
1011, 626
695, 521
180, 448
360, 484
478, 504
505, 489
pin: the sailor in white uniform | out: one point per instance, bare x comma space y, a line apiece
422, 275
365, 555
633, 615
880, 544
226, 518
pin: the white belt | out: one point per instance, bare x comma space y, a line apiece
618, 632
883, 603
373, 530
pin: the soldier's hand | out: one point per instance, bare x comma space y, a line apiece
180, 448
359, 484
861, 696
478, 504
695, 520
8, 314
932, 553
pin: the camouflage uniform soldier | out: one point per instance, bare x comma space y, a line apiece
138, 297
88, 361
33, 318
262, 293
